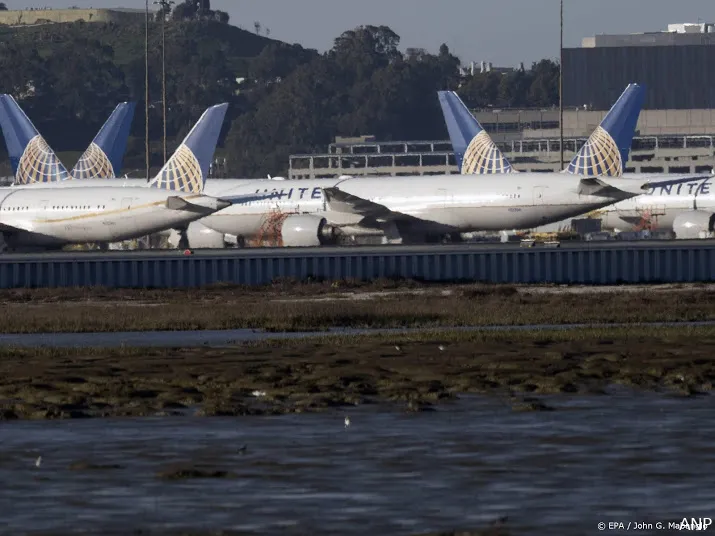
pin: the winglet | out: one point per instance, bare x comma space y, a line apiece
31, 157
188, 167
103, 158
474, 149
606, 151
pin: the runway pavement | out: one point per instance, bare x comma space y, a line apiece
327, 251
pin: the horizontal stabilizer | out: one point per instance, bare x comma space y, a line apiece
250, 198
623, 188
205, 205
597, 187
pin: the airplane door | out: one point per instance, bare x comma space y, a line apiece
43, 210
539, 195
444, 200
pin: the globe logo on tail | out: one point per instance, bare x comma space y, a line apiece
93, 164
39, 164
484, 157
598, 157
182, 173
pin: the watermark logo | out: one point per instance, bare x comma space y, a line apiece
685, 524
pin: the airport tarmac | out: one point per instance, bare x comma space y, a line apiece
481, 247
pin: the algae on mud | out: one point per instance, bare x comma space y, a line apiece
299, 376
304, 307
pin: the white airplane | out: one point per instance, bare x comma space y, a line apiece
102, 159
685, 208
417, 208
53, 217
313, 212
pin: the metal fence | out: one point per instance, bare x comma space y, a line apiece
587, 264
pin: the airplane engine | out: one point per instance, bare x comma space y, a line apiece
694, 224
199, 237
304, 230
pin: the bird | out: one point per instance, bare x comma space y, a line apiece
441, 348
347, 421
397, 347
242, 449
38, 461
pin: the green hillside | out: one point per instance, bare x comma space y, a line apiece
77, 72
69, 77
128, 41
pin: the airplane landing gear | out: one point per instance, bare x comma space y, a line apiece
183, 239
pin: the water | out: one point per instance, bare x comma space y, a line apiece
622, 457
175, 339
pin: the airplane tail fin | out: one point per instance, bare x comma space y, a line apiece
606, 151
103, 158
188, 167
474, 149
31, 157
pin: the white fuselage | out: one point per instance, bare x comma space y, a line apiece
452, 203
56, 216
449, 201
660, 205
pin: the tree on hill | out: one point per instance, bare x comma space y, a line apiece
199, 9
3, 7
283, 98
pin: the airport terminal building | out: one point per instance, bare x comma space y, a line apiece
675, 66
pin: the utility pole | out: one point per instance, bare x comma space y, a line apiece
163, 4
146, 94
561, 87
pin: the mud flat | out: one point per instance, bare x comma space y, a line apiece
405, 373
287, 306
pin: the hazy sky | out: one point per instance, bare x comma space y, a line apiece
504, 32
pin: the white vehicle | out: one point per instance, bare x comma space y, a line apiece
687, 207
102, 159
53, 217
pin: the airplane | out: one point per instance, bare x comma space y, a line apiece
419, 208
102, 159
54, 217
656, 208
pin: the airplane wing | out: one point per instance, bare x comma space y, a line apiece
339, 201
611, 187
245, 198
5, 228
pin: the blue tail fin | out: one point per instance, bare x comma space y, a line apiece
103, 158
188, 167
606, 151
31, 158
474, 150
